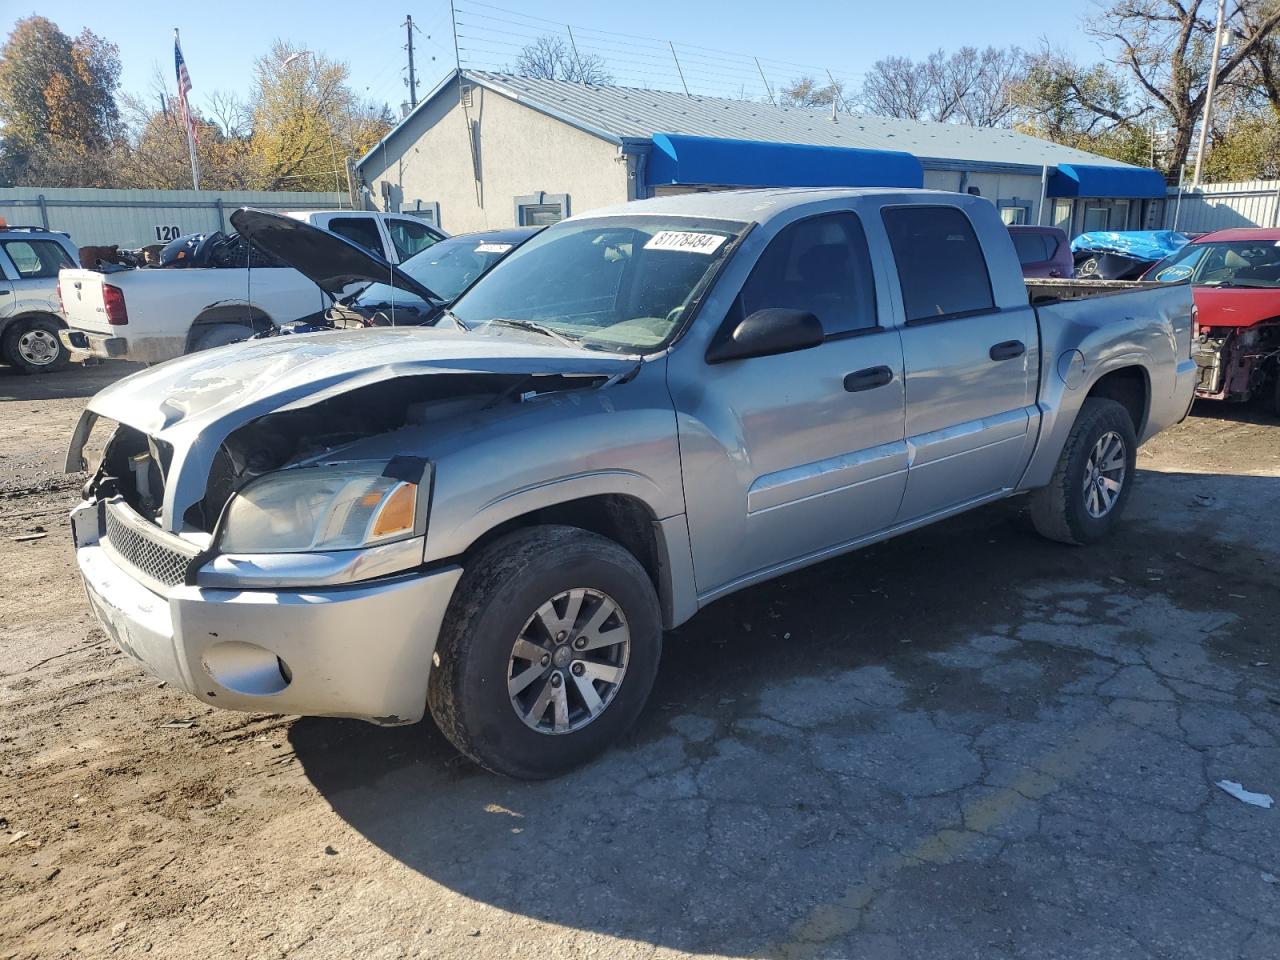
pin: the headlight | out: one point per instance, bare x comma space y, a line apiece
339, 506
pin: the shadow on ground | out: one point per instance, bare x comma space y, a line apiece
76, 380
963, 736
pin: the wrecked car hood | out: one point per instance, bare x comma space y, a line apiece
329, 261
1236, 306
193, 403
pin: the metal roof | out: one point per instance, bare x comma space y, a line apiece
619, 114
622, 113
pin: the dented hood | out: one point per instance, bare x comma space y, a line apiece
193, 403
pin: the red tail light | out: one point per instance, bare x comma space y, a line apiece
1195, 322
113, 301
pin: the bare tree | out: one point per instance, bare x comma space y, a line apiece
968, 86
550, 58
1164, 45
807, 92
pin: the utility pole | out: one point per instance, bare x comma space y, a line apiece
1207, 117
413, 80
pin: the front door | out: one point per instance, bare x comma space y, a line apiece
970, 365
790, 456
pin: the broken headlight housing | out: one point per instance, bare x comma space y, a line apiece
334, 506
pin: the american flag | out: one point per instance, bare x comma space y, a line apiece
184, 87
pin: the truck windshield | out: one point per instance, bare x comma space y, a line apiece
619, 283
1238, 263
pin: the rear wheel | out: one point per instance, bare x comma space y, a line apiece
548, 652
32, 345
219, 335
1094, 476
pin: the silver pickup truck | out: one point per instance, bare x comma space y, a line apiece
637, 412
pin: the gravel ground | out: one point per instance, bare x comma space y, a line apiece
967, 742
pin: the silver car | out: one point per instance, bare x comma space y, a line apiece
635, 413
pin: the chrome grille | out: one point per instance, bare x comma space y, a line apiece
157, 556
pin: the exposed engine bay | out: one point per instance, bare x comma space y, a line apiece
1236, 363
135, 466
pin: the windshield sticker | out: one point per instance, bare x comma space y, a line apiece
705, 243
493, 248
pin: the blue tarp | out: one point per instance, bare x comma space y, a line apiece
1091, 180
751, 163
1143, 244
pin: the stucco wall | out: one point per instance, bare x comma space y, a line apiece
521, 152
994, 186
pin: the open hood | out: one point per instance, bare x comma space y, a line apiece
329, 261
194, 402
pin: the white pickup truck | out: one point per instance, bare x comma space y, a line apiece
154, 314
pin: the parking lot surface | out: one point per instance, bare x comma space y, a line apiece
966, 742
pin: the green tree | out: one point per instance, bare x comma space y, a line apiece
306, 120
808, 92
57, 103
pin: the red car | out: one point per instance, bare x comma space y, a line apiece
1235, 278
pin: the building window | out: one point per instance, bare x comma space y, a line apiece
1015, 211
1095, 218
426, 210
1062, 215
540, 209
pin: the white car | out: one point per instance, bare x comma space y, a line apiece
149, 315
30, 315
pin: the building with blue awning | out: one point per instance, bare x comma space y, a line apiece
494, 150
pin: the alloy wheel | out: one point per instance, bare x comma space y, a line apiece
568, 661
1104, 474
38, 347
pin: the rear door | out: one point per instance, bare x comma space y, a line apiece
971, 362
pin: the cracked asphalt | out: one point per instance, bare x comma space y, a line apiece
966, 742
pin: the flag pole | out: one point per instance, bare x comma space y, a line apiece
189, 124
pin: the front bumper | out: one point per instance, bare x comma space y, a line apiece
363, 650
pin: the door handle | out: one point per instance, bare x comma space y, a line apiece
868, 379
1008, 349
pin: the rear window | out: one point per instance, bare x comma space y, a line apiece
1033, 247
941, 267
361, 230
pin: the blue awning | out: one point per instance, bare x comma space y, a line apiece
1089, 180
752, 163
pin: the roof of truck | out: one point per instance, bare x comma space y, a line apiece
752, 205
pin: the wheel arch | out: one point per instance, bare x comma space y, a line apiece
629, 522
1130, 386
229, 313
6, 322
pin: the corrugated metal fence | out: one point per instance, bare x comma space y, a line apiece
133, 218
1217, 206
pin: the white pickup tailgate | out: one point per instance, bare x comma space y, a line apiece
82, 300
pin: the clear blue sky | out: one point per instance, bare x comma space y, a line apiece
715, 40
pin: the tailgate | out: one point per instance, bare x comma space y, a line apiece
82, 300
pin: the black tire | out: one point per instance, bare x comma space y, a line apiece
219, 335
1060, 510
502, 587
46, 356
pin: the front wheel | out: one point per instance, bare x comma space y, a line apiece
32, 345
547, 653
1094, 476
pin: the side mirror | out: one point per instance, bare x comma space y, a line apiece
768, 332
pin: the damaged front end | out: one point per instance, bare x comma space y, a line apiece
252, 514
1236, 363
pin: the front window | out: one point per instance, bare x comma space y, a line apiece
37, 259
616, 282
1238, 263
410, 238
